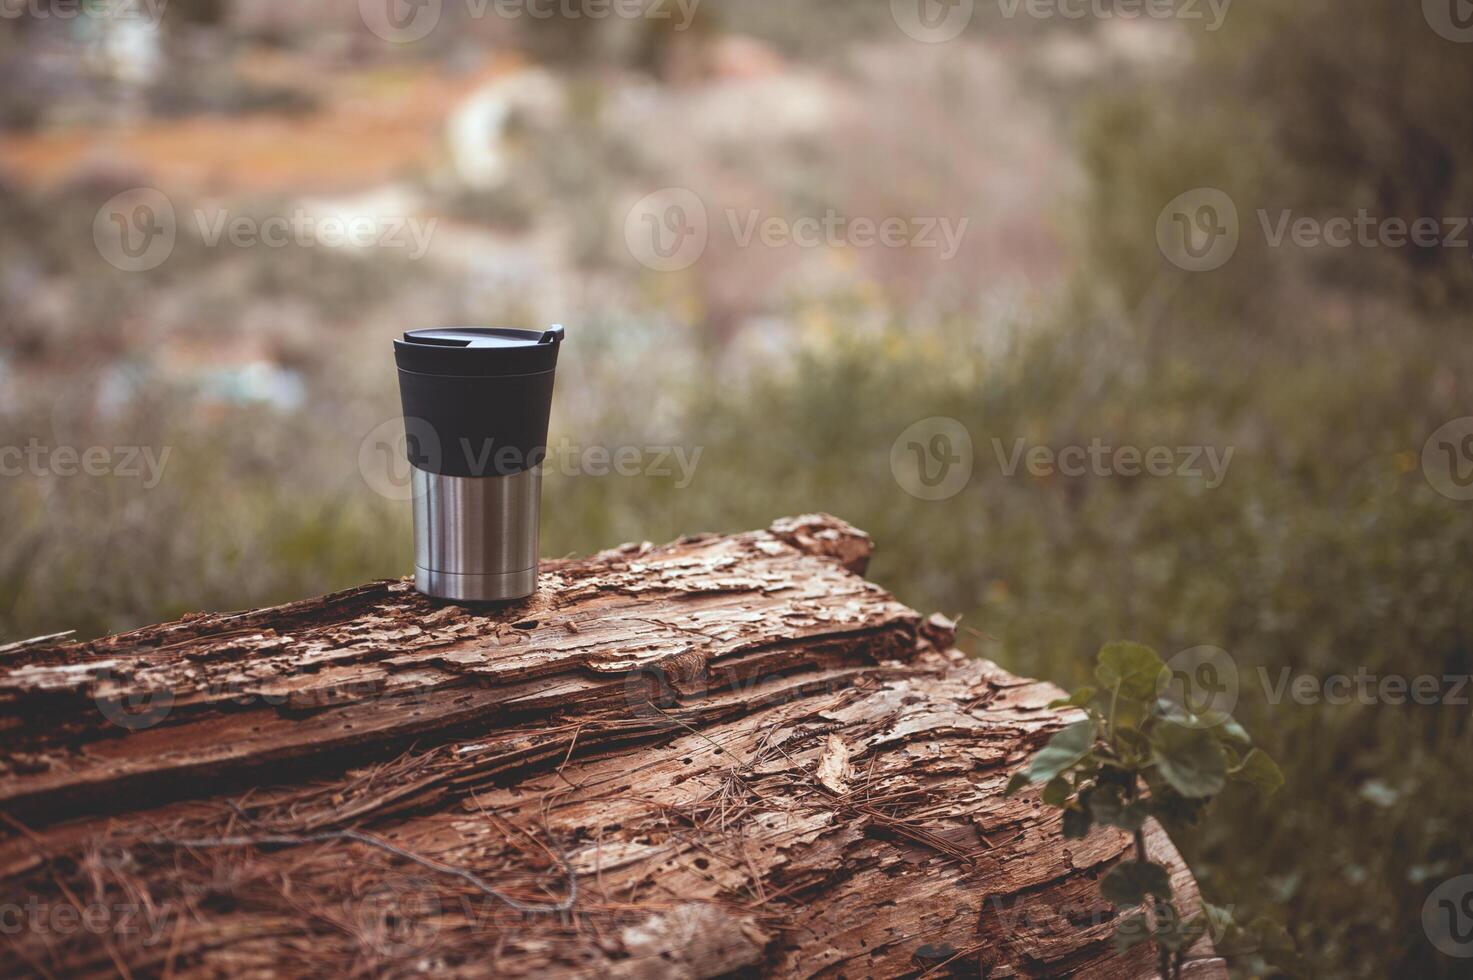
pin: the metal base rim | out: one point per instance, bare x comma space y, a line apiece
476, 588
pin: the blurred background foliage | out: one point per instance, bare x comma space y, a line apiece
1325, 550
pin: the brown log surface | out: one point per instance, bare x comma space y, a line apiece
725, 755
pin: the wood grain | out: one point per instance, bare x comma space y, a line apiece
746, 758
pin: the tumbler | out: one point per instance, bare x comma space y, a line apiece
476, 403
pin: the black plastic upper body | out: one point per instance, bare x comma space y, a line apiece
477, 399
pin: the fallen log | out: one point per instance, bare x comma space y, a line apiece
725, 755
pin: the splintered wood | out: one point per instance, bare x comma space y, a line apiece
725, 755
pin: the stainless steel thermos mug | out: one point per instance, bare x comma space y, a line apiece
476, 403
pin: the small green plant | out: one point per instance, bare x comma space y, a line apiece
1137, 755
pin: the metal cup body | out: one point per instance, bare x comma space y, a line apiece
476, 538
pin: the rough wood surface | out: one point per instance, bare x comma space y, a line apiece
726, 755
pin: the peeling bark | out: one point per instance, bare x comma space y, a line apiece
723, 755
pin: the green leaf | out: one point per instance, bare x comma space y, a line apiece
1131, 667
1129, 883
1128, 714
1078, 699
1169, 710
1261, 771
1062, 751
1018, 781
1076, 824
1133, 746
1057, 792
1229, 730
1189, 759
1108, 806
1176, 812
1131, 932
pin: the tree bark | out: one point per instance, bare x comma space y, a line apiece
725, 755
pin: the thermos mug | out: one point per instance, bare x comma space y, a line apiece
476, 403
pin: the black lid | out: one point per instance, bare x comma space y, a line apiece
478, 352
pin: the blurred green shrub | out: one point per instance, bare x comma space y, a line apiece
1326, 551
1314, 107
